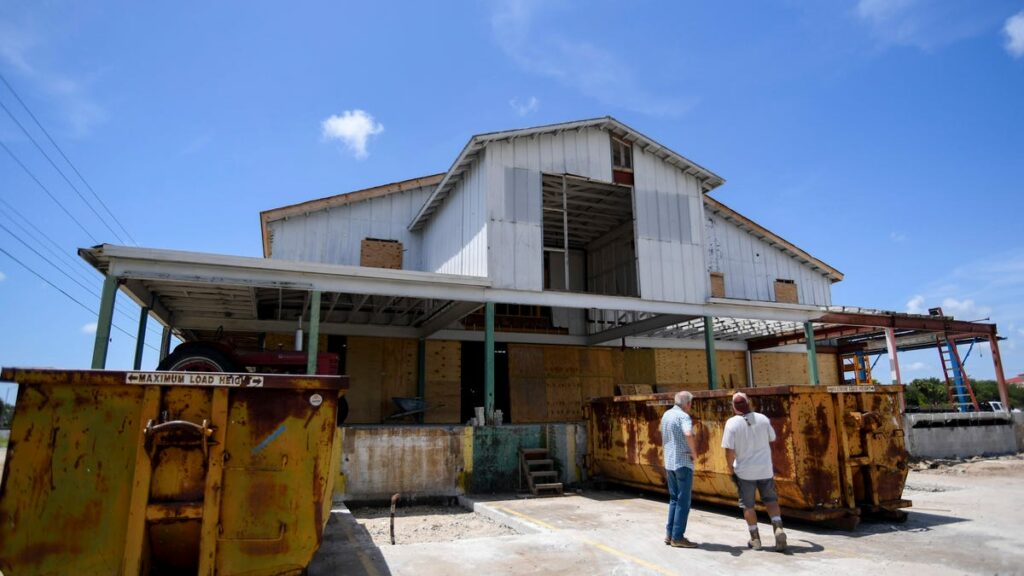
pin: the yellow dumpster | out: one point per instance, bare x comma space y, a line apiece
839, 449
167, 472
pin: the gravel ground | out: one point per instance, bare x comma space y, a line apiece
419, 524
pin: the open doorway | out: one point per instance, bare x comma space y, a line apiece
589, 243
473, 379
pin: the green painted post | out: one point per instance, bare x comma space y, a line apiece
314, 331
489, 361
709, 352
812, 355
103, 322
421, 374
165, 342
140, 338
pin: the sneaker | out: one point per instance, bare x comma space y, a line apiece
684, 543
754, 542
780, 539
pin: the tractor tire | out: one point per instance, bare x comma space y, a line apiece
198, 359
342, 410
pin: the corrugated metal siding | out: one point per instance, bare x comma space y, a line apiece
668, 210
333, 235
751, 265
455, 239
514, 201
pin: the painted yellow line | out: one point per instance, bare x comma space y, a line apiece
598, 545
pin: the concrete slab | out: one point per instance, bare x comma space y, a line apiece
965, 520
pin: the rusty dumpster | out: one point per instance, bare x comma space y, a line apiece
839, 449
167, 472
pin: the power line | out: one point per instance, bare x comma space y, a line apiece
69, 296
61, 172
48, 193
66, 159
60, 253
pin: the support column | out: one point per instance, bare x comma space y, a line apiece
103, 323
165, 342
489, 361
894, 365
314, 331
140, 338
709, 352
997, 363
421, 374
749, 357
812, 355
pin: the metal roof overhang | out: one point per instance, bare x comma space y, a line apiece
197, 293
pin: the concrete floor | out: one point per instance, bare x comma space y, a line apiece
965, 519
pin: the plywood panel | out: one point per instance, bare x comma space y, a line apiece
529, 400
376, 253
363, 363
442, 388
525, 361
444, 402
563, 398
717, 285
398, 372
639, 366
785, 292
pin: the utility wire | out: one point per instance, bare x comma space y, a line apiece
59, 171
66, 159
48, 193
60, 254
69, 296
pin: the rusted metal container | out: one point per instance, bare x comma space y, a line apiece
167, 472
839, 450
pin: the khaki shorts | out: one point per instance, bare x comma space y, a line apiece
765, 487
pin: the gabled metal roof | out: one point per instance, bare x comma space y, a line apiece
708, 179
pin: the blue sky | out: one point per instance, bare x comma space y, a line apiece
886, 138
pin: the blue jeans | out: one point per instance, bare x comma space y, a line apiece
680, 484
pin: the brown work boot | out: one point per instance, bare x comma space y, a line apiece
755, 540
684, 543
668, 540
780, 537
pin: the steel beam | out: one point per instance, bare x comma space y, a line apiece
812, 355
638, 327
929, 324
709, 352
140, 338
489, 361
453, 313
314, 332
104, 321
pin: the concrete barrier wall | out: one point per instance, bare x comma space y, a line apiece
1018, 429
420, 461
957, 435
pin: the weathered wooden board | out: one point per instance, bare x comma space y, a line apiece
443, 388
377, 253
364, 361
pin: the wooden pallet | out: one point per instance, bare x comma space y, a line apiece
540, 473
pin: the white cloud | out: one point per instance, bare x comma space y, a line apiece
964, 309
1014, 31
19, 46
353, 128
526, 108
927, 24
916, 305
914, 367
89, 328
576, 63
3, 276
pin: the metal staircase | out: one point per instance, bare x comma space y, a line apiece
958, 386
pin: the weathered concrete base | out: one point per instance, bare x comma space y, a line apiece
448, 461
1018, 429
960, 435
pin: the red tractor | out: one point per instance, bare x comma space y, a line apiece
220, 356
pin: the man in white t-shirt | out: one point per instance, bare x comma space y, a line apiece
748, 453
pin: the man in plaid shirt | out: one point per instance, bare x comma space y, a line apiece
679, 447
